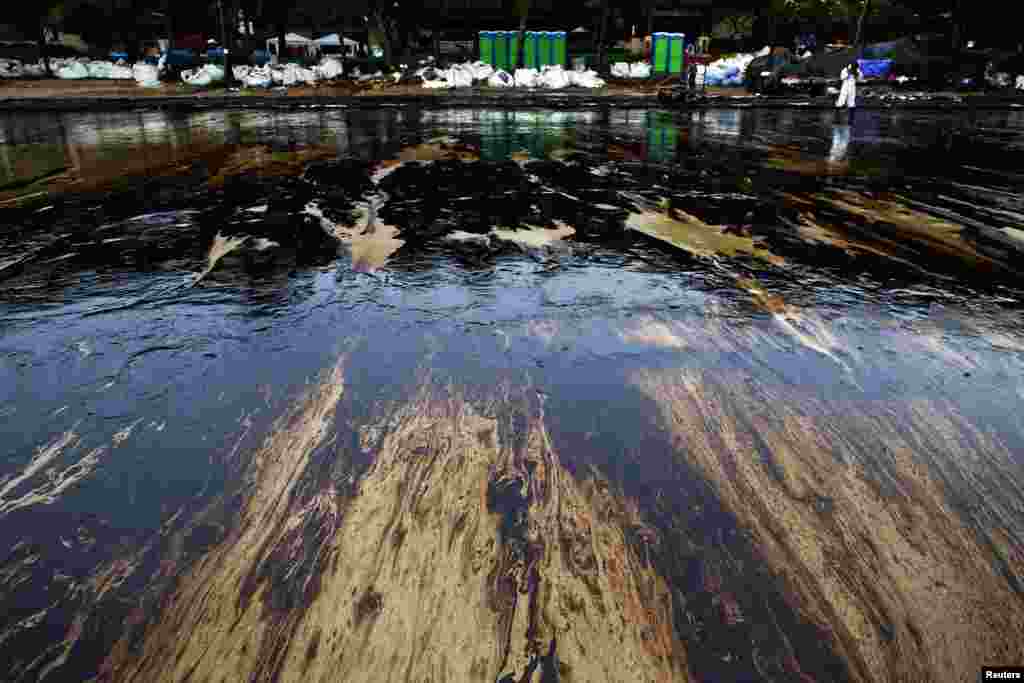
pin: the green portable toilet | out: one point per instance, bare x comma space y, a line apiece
530, 56
560, 47
513, 48
544, 47
500, 50
676, 49
487, 47
659, 52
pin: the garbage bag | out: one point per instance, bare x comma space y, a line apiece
460, 77
586, 79
146, 75
640, 70
33, 70
122, 73
620, 70
501, 79
554, 77
204, 76
260, 77
481, 71
525, 78
73, 71
330, 68
11, 69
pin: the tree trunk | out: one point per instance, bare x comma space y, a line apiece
521, 45
42, 47
860, 26
602, 34
282, 46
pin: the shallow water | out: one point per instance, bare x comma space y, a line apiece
605, 395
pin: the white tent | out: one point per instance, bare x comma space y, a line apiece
293, 40
334, 40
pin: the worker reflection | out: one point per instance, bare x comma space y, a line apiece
840, 144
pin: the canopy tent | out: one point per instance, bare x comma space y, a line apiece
292, 41
333, 40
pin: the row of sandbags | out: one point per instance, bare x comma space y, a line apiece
14, 68
77, 68
468, 74
634, 70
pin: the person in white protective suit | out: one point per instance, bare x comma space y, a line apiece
848, 91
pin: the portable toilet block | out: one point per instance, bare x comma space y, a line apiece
659, 53
676, 50
561, 39
513, 48
487, 47
544, 47
500, 50
531, 55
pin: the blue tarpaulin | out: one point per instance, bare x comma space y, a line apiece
875, 68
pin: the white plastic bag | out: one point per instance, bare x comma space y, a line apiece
525, 78
481, 71
501, 79
586, 79
121, 73
259, 77
240, 71
73, 71
554, 77
460, 77
330, 68
639, 70
1020, 82
146, 75
620, 70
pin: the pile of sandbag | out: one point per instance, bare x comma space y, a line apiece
292, 74
1020, 82
203, 76
13, 68
634, 70
329, 68
729, 71
258, 77
109, 71
73, 71
146, 75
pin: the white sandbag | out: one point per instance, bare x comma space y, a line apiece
121, 72
240, 71
277, 74
586, 79
554, 77
620, 70
146, 75
33, 70
764, 51
204, 76
73, 72
1020, 82
480, 71
501, 79
639, 70
460, 77
260, 77
330, 68
435, 85
526, 78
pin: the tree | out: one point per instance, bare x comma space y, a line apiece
523, 12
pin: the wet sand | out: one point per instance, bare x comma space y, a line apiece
554, 396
